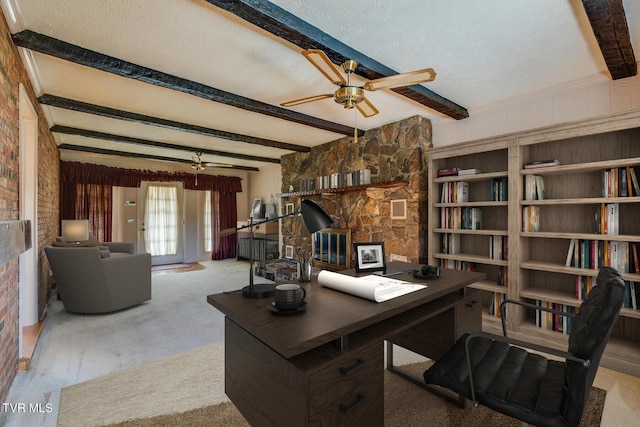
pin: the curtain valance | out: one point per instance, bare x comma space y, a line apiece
85, 173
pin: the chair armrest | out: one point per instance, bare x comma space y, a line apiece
503, 311
519, 343
126, 247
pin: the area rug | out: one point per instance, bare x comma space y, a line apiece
176, 268
188, 390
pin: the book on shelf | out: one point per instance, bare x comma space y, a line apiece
448, 172
607, 218
594, 254
634, 250
451, 244
455, 192
620, 182
465, 218
534, 187
458, 264
541, 164
553, 321
498, 190
583, 286
531, 218
503, 277
498, 247
634, 182
634, 290
469, 171
496, 300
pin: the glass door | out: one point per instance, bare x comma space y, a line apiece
161, 232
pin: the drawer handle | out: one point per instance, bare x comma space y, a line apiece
471, 304
359, 401
361, 363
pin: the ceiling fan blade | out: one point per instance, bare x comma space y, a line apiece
405, 79
218, 165
322, 62
366, 108
305, 100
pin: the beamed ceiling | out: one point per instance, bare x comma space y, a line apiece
161, 80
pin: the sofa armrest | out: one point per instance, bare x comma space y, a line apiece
126, 247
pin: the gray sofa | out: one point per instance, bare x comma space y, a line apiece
92, 279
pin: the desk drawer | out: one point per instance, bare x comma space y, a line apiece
363, 407
340, 379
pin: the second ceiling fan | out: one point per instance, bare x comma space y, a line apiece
351, 96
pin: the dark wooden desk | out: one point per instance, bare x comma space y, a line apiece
324, 365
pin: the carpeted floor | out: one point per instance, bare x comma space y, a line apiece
187, 390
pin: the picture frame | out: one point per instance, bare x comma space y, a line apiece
256, 208
288, 252
398, 209
370, 256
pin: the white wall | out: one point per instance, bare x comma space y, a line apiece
263, 184
580, 101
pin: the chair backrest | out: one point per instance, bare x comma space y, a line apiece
590, 331
79, 275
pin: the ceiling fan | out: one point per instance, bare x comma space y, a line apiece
198, 165
353, 96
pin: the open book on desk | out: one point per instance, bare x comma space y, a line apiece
373, 287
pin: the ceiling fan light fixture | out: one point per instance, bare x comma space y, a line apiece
348, 96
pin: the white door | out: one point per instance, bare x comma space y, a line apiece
161, 221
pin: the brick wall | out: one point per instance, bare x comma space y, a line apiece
12, 73
393, 152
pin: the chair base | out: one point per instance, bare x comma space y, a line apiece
458, 399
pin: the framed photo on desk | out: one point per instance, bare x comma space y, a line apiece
370, 256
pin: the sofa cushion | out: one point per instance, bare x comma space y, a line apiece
93, 241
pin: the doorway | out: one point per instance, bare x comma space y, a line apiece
161, 220
28, 270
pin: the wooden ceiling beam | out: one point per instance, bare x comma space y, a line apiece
289, 27
83, 107
67, 130
609, 25
79, 55
106, 152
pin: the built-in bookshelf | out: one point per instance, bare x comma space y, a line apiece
572, 206
469, 215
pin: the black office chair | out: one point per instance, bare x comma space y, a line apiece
488, 370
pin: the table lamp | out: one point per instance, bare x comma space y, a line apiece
75, 230
314, 218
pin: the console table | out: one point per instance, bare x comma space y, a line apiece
324, 365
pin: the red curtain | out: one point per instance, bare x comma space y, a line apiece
86, 193
225, 215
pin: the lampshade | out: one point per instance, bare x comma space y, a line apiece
75, 230
314, 217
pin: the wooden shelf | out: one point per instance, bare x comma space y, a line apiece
487, 203
474, 177
536, 267
390, 184
580, 201
489, 287
582, 167
467, 231
471, 258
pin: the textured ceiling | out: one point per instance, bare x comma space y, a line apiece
486, 53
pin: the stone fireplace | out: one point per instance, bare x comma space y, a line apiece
395, 155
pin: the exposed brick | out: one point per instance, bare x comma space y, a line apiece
12, 73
